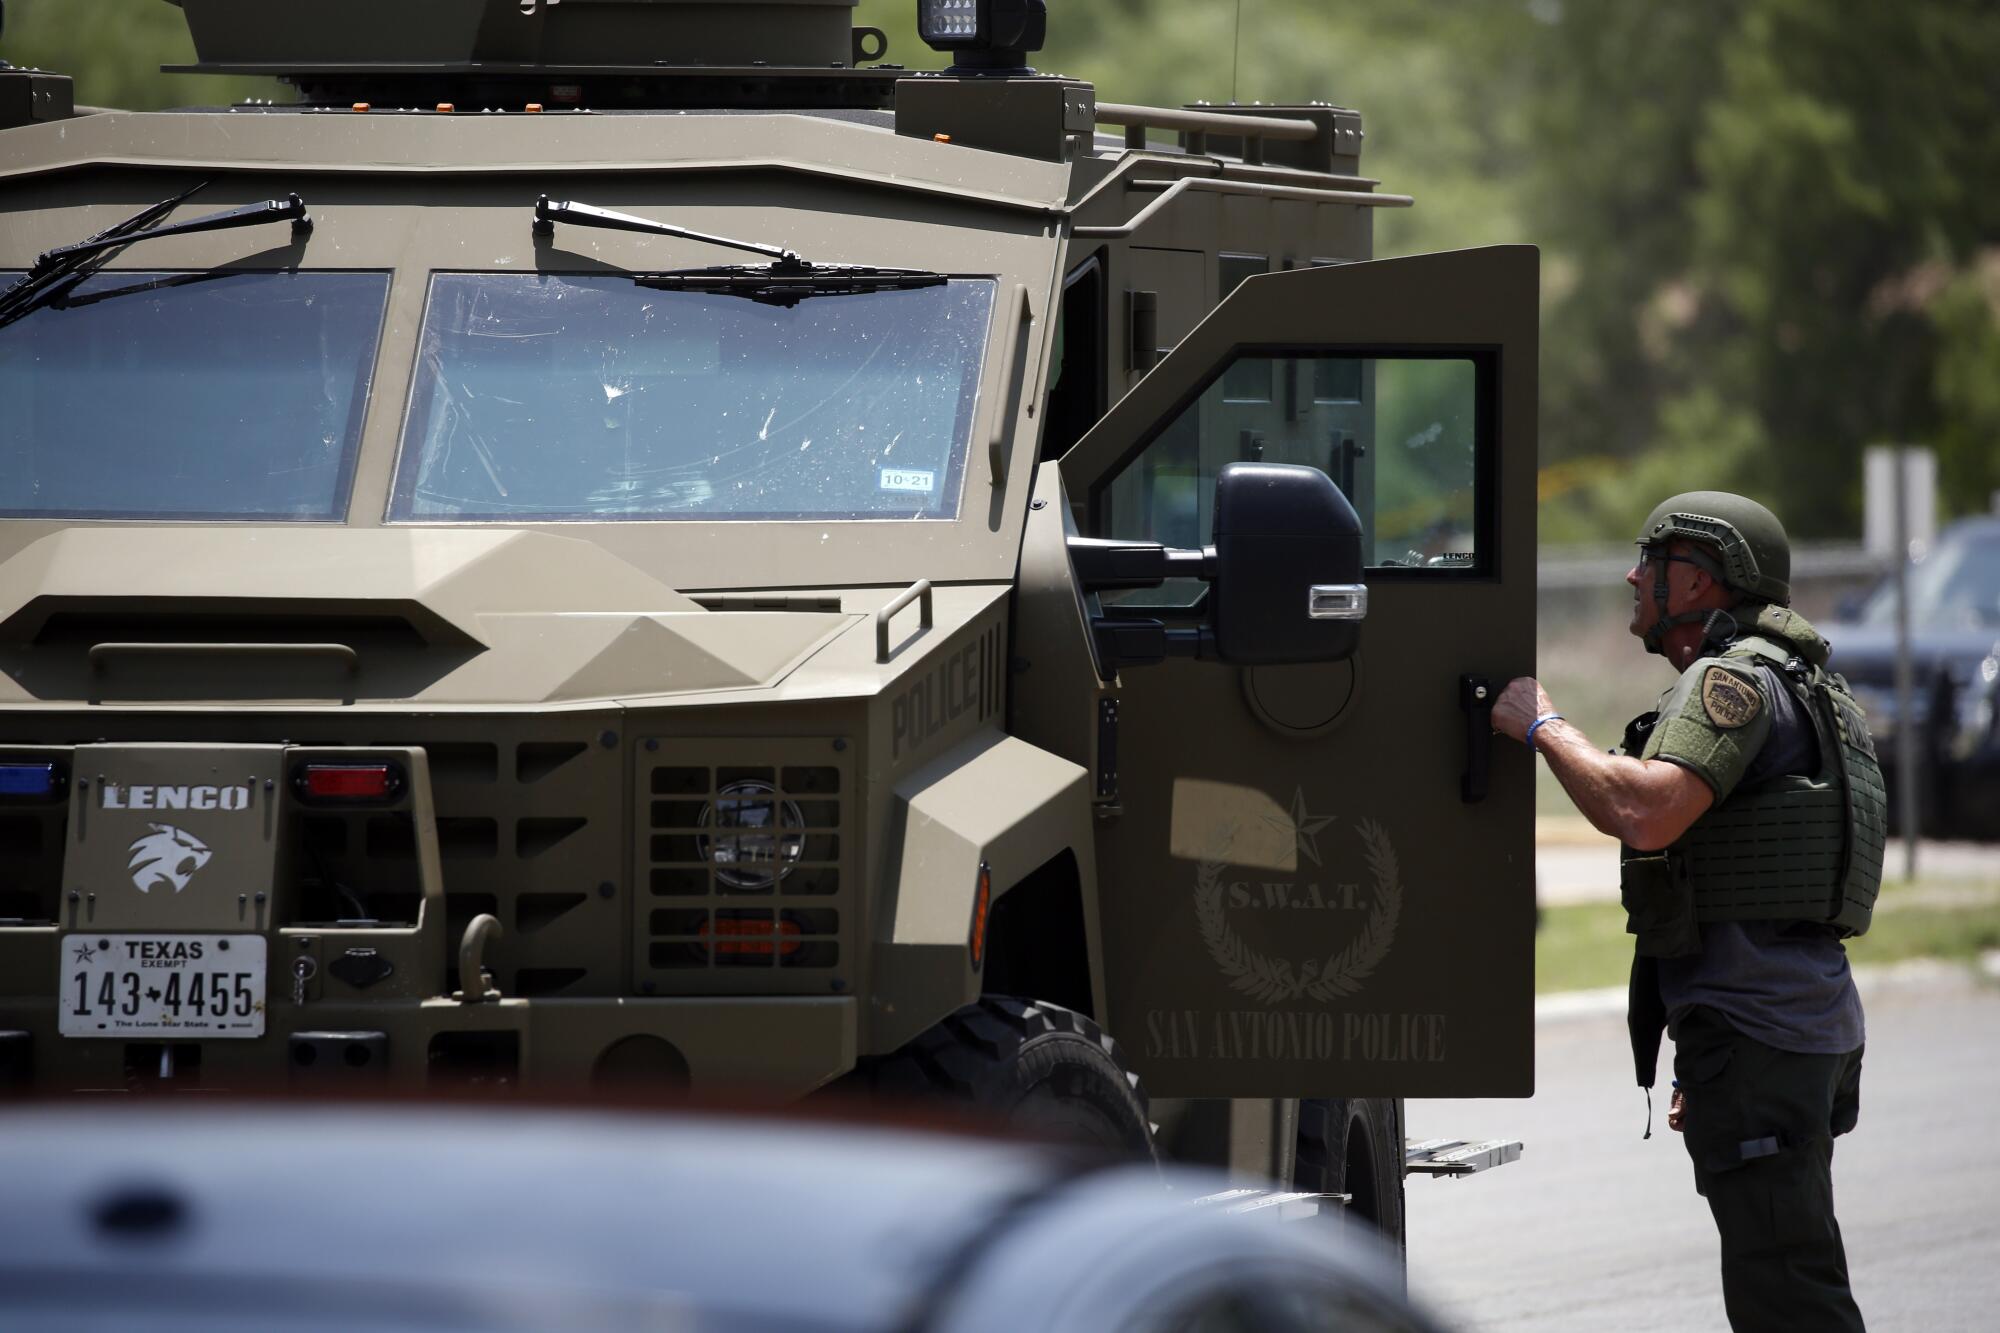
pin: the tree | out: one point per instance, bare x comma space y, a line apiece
113, 49
1775, 242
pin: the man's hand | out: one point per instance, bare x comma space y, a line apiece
1519, 705
1646, 804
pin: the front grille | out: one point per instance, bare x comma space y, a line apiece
525, 828
742, 864
525, 809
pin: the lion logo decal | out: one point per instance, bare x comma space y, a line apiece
167, 855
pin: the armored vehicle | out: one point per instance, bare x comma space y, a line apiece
630, 542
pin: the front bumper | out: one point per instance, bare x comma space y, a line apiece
365, 933
780, 1047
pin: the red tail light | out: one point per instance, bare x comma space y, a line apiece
349, 782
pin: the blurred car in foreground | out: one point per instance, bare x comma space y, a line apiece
1955, 647
278, 1217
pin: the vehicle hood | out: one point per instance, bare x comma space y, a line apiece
1866, 654
342, 615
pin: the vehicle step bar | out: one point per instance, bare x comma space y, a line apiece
1277, 1205
1458, 1157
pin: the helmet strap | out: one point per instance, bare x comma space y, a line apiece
1655, 637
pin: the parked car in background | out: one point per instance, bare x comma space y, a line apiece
285, 1217
1955, 646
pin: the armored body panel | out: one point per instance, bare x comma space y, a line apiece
700, 555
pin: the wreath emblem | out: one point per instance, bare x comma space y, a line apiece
1274, 980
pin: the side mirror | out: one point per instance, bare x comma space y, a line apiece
1284, 574
1288, 567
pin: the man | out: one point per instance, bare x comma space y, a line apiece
1751, 812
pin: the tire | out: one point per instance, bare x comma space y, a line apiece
1037, 1067
1354, 1146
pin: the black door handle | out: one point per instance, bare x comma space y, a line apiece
1475, 699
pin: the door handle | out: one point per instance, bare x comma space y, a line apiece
1475, 700
1346, 449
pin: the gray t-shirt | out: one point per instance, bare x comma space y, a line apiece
1784, 983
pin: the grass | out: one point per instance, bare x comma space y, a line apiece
1585, 946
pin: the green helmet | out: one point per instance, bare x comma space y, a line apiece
1753, 555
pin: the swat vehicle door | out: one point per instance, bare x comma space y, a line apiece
1318, 878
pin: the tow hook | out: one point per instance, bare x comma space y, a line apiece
476, 981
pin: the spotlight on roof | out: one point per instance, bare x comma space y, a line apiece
984, 36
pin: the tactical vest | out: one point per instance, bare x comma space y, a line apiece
1791, 848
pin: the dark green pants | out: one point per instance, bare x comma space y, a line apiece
1760, 1125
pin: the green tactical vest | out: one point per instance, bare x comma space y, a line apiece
1791, 848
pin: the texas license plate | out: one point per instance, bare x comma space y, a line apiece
194, 986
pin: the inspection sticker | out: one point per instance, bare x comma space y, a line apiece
908, 479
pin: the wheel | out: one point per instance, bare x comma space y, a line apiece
1038, 1067
1354, 1146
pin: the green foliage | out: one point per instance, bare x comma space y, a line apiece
1774, 252
114, 50
1966, 382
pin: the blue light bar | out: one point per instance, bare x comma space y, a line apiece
27, 779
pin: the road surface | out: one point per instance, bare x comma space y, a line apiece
1594, 1229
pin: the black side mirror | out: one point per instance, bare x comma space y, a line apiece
1284, 576
1288, 568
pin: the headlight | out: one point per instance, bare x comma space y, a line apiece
1004, 31
1972, 724
751, 837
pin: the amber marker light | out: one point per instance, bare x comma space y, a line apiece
361, 108
982, 899
446, 108
758, 938
533, 107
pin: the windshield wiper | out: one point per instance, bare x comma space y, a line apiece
59, 270
785, 281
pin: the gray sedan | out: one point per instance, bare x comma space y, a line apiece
280, 1217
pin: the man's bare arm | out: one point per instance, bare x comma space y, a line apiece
1647, 804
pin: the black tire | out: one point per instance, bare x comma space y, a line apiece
1038, 1067
1354, 1145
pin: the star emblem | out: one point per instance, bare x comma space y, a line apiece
1303, 827
84, 953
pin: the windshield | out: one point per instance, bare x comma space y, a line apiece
188, 396
551, 397
1956, 587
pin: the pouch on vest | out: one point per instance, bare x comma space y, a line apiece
1659, 904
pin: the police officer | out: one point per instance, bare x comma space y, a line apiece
1751, 812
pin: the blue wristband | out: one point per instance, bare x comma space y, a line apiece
1545, 717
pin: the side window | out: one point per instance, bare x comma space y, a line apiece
1077, 395
1406, 438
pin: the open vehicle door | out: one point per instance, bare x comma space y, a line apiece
1317, 877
